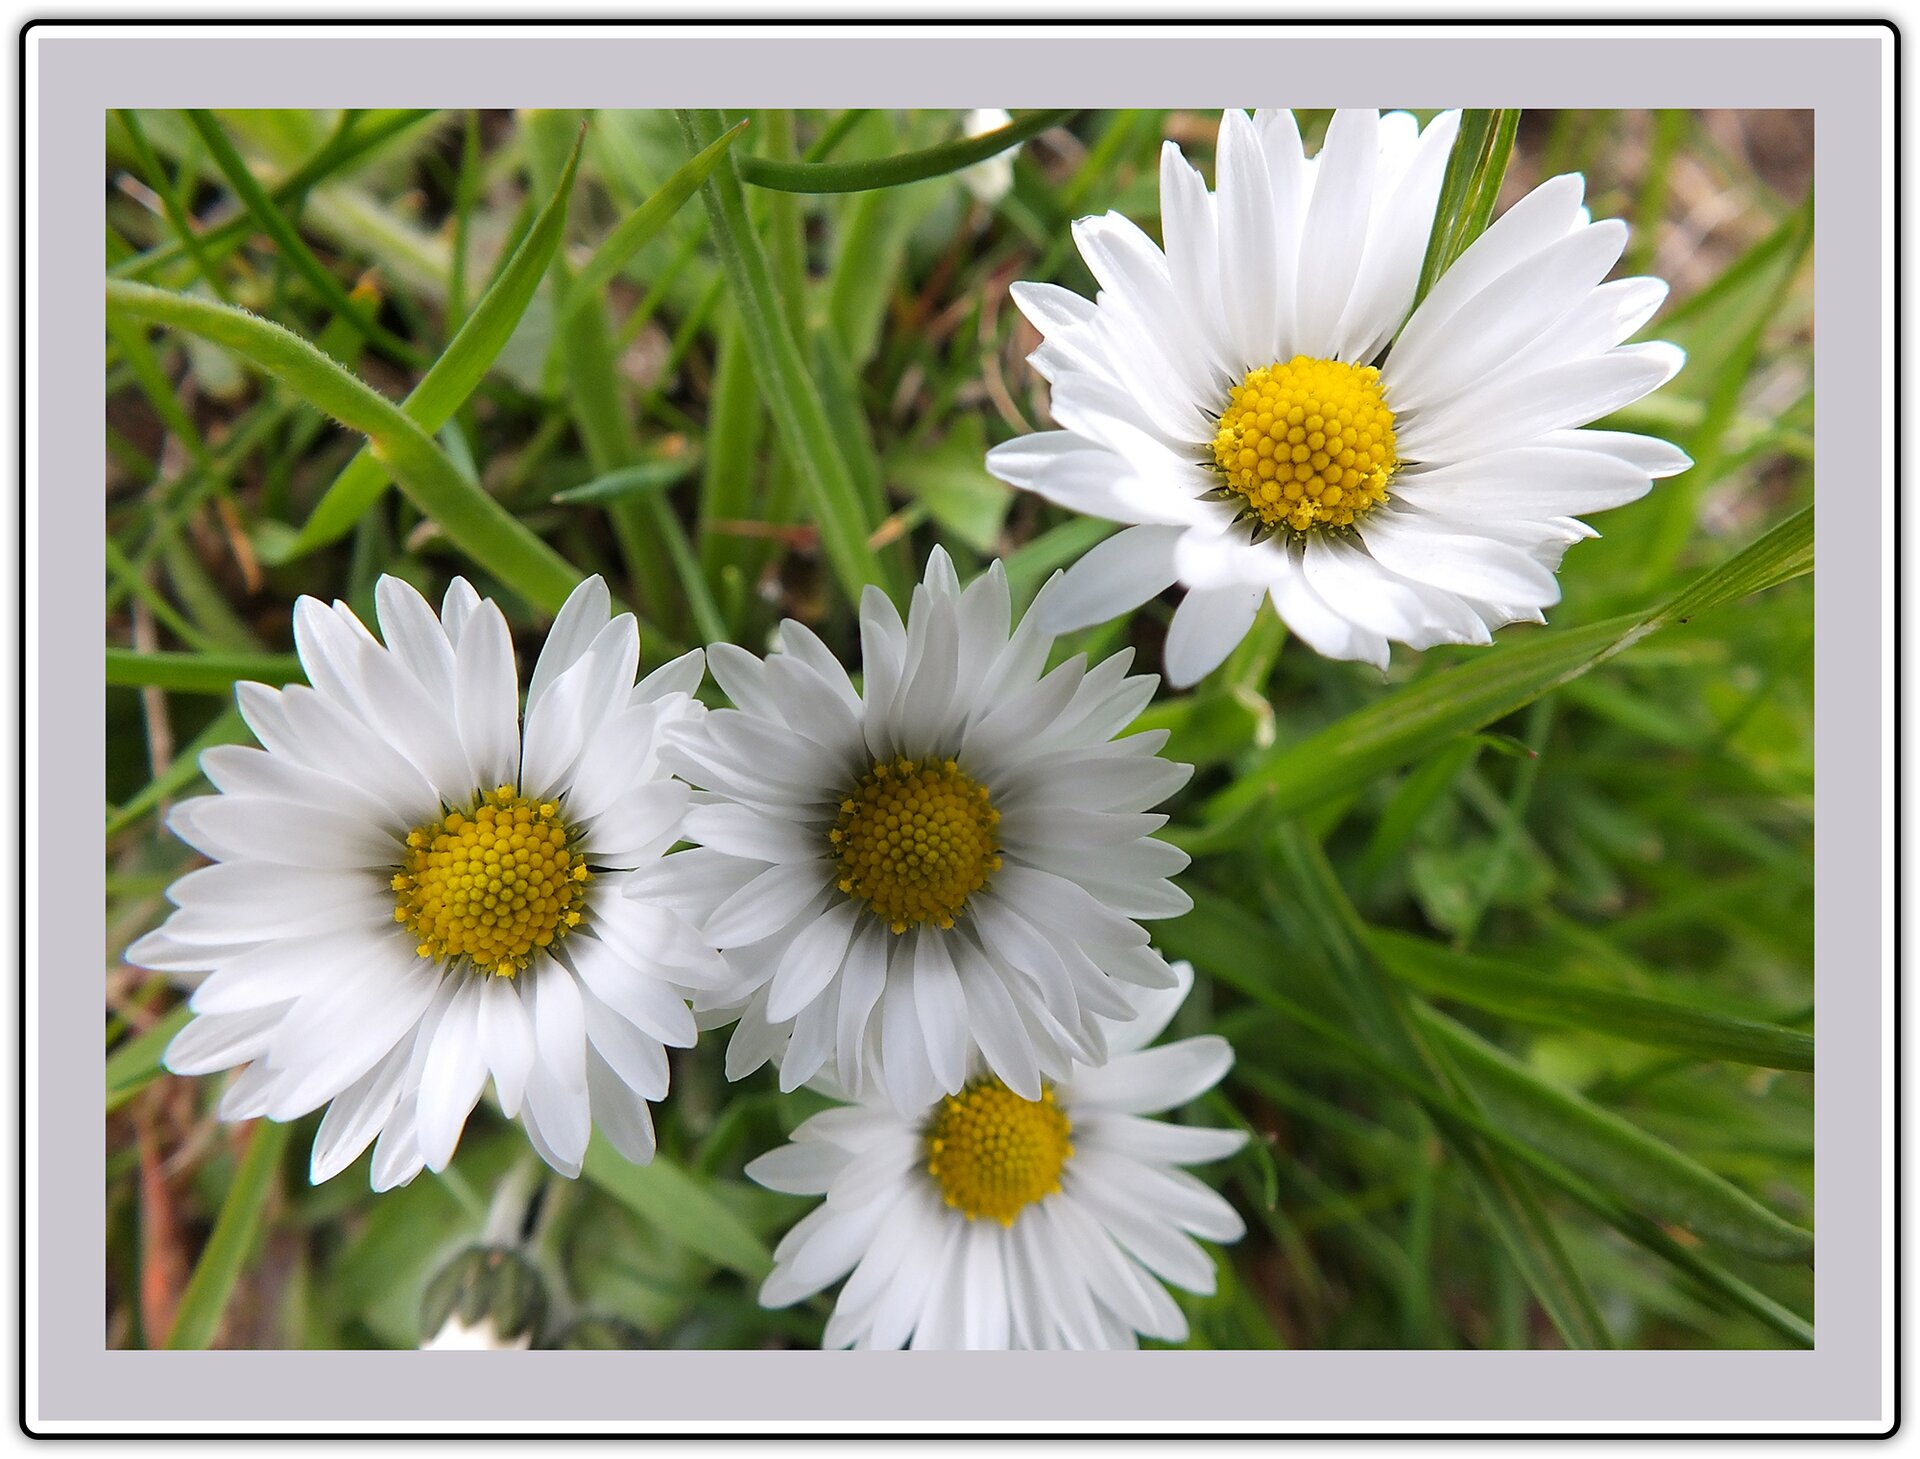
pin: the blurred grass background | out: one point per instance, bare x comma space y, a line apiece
1523, 1018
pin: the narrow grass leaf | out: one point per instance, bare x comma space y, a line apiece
1616, 1154
790, 392
1428, 714
1385, 1019
198, 673
1468, 190
454, 376
335, 155
136, 1063
473, 521
639, 227
1512, 991
679, 1206
904, 167
630, 481
1238, 949
292, 246
205, 1299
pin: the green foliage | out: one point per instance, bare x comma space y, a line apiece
1514, 945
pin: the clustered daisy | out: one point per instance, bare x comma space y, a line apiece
922, 895
1272, 416
945, 863
416, 890
995, 1219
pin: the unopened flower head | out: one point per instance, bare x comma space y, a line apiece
990, 180
947, 861
1272, 417
994, 1220
416, 891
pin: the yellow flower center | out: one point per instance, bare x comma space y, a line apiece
914, 840
1305, 444
492, 884
993, 1153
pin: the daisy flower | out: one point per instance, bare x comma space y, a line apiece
990, 1220
946, 861
412, 893
1265, 407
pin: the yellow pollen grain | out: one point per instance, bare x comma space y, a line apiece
492, 884
1306, 444
915, 839
993, 1153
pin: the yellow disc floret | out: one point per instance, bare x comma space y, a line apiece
914, 840
993, 1153
492, 884
1306, 444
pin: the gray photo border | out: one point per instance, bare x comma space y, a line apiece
74, 74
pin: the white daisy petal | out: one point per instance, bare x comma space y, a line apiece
1335, 232
811, 962
1116, 576
356, 1116
639, 1061
766, 904
1206, 626
647, 1002
486, 699
220, 1040
414, 636
1155, 1079
505, 1035
1258, 310
457, 607
557, 1085
938, 999
450, 1084
1513, 310
1474, 567
1527, 483
620, 1111
575, 626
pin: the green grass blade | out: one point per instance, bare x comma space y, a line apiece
158, 389
1670, 128
340, 150
473, 521
905, 167
1516, 992
638, 228
679, 1206
730, 485
198, 673
451, 378
1615, 1154
170, 192
198, 1317
136, 1063
1237, 949
630, 481
644, 526
789, 390
292, 246
227, 728
1426, 715
1468, 191
1385, 1019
